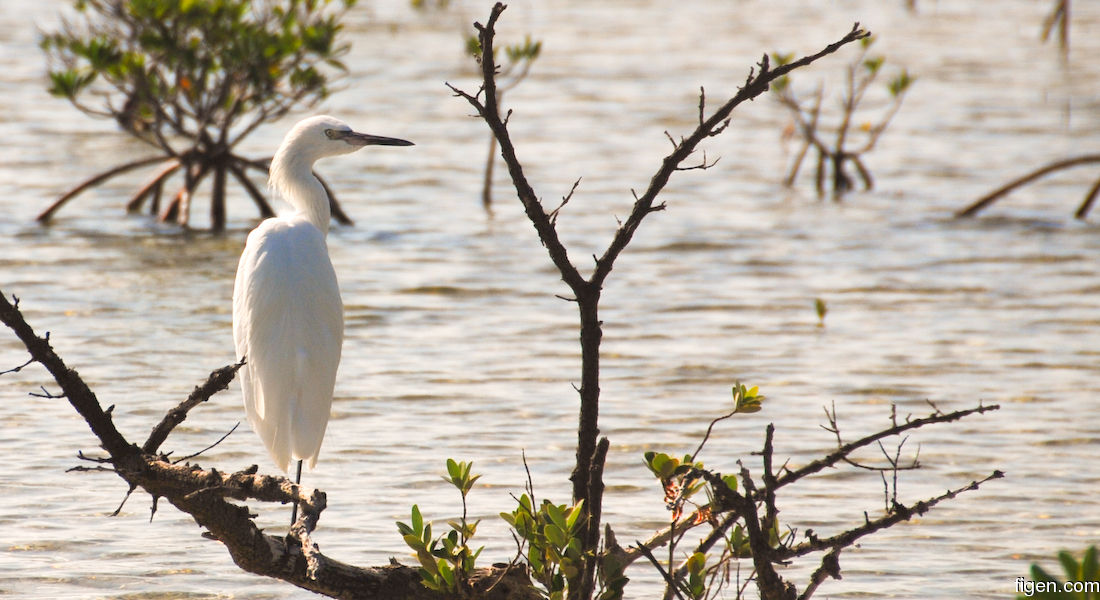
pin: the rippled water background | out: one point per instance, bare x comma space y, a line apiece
457, 347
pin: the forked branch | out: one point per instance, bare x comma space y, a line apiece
587, 473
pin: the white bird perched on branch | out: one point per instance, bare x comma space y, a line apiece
288, 321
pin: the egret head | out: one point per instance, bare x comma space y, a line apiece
311, 139
321, 136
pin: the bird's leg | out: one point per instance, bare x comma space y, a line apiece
297, 481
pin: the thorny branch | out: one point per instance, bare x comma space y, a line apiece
899, 512
844, 451
730, 508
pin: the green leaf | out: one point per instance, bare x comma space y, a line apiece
1090, 566
446, 573
873, 64
428, 563
427, 579
661, 464
746, 400
1069, 565
900, 84
526, 504
473, 46
69, 84
574, 515
555, 513
528, 50
697, 562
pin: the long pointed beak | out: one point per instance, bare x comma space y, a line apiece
365, 139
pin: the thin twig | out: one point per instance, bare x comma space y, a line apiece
898, 514
19, 368
834, 428
842, 452
220, 440
565, 200
657, 564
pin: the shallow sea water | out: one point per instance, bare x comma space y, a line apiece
457, 347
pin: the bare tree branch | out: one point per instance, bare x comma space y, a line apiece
218, 381
983, 202
587, 291
844, 451
898, 514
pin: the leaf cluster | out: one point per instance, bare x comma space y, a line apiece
550, 531
447, 561
746, 399
193, 67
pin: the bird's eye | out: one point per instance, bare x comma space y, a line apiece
330, 134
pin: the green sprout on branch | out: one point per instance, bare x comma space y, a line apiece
550, 533
447, 561
698, 577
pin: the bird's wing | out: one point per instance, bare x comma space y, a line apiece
288, 324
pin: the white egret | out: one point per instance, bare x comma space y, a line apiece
288, 321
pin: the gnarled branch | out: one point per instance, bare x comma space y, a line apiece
205, 494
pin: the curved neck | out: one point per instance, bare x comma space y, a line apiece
293, 178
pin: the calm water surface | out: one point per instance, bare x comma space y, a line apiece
457, 347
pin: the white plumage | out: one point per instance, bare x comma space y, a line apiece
288, 321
